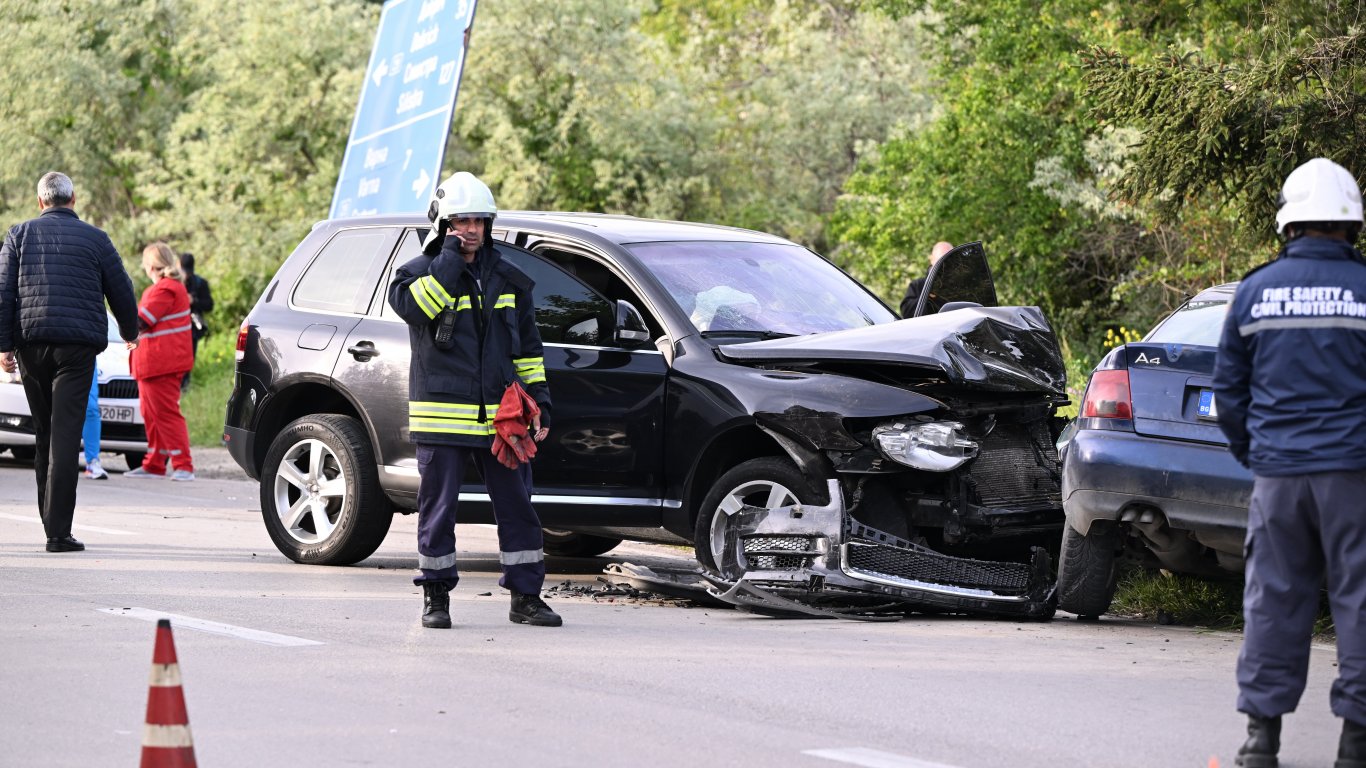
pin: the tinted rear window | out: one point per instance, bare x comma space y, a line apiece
1198, 322
342, 278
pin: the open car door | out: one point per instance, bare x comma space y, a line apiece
961, 275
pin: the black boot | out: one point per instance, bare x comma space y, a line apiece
64, 544
1263, 742
436, 605
1352, 746
531, 609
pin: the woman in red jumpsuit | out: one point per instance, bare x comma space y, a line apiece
160, 361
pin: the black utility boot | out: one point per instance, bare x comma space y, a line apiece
64, 544
531, 609
1352, 746
1263, 742
436, 605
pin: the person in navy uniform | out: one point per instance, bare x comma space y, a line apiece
1290, 389
472, 325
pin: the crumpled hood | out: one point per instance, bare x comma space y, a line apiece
1008, 349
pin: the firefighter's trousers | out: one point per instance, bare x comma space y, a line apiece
1302, 530
520, 553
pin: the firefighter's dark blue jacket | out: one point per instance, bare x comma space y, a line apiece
1290, 378
453, 395
55, 273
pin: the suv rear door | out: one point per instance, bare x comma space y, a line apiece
373, 368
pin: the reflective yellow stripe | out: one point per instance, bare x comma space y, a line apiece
450, 410
531, 370
451, 426
438, 291
424, 302
464, 303
506, 301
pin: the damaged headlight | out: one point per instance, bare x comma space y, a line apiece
937, 446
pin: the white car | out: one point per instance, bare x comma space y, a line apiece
121, 427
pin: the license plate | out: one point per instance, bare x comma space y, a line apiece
1208, 410
119, 413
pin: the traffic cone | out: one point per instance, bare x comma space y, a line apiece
166, 741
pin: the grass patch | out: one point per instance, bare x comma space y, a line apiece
205, 403
1175, 599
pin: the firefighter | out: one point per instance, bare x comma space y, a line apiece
472, 325
1290, 386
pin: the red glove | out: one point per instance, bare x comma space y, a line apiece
512, 443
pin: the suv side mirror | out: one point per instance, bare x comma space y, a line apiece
629, 330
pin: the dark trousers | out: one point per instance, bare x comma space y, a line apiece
1301, 531
57, 384
520, 553
194, 355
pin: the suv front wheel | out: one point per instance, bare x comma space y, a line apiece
320, 494
767, 483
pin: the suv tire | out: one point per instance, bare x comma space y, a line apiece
769, 482
320, 493
1087, 569
572, 544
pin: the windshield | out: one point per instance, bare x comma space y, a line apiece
760, 288
1198, 322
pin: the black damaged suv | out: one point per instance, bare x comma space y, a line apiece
697, 371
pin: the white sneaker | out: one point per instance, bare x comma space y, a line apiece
94, 471
182, 475
140, 472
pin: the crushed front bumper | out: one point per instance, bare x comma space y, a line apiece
809, 560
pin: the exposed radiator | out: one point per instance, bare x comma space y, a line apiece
1017, 466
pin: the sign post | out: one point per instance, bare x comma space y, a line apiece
398, 138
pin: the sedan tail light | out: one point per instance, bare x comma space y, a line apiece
241, 342
1107, 397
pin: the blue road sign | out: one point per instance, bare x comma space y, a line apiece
398, 139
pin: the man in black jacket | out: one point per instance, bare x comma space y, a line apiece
201, 303
55, 273
917, 285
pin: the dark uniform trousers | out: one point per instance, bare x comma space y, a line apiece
442, 469
57, 385
1300, 530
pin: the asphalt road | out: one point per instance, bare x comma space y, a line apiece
312, 666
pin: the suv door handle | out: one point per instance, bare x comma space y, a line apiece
363, 351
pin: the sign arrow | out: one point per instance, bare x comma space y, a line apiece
420, 186
380, 72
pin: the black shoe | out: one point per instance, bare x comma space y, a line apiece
64, 544
436, 605
531, 609
1263, 742
1352, 746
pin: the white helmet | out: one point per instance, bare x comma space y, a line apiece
462, 195
1319, 190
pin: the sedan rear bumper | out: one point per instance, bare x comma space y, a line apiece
1197, 486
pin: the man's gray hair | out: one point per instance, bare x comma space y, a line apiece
56, 189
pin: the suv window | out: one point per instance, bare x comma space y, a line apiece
567, 311
331, 282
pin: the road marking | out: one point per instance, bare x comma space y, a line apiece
76, 526
871, 758
212, 627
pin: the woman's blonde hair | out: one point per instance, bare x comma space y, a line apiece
162, 260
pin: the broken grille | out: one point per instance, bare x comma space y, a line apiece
1017, 467
768, 553
929, 566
